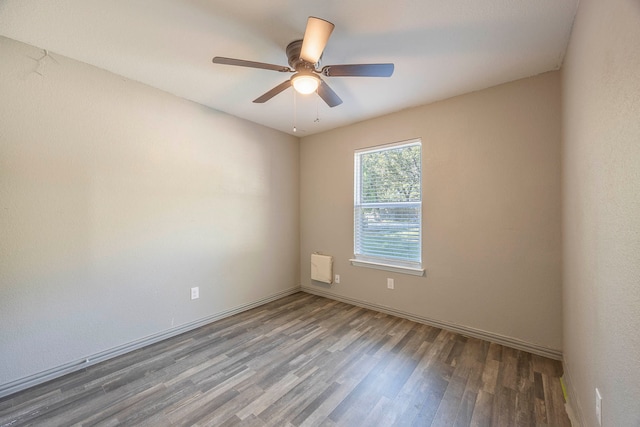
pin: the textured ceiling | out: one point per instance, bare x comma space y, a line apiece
440, 48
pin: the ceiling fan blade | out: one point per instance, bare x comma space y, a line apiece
251, 64
273, 92
328, 95
358, 70
315, 39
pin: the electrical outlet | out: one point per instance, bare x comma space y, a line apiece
390, 284
337, 279
598, 406
195, 293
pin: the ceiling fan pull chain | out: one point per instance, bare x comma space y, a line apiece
295, 111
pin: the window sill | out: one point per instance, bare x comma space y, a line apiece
388, 267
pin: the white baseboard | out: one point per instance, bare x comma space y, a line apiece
58, 371
461, 329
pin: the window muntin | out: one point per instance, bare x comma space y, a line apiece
388, 205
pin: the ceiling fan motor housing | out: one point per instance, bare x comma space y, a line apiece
297, 63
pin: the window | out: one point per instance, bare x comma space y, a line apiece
388, 208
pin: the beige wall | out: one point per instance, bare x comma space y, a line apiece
491, 211
601, 187
116, 198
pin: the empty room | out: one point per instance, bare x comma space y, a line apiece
298, 213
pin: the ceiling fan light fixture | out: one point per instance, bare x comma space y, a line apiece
305, 83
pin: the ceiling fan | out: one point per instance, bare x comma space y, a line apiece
304, 58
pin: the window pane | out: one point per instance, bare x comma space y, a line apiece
391, 233
391, 175
388, 204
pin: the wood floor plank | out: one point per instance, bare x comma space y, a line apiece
451, 402
314, 402
285, 409
482, 410
436, 386
303, 360
465, 409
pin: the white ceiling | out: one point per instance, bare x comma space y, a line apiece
440, 48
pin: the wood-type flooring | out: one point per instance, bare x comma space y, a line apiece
304, 360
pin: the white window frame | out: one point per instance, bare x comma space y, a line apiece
380, 263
